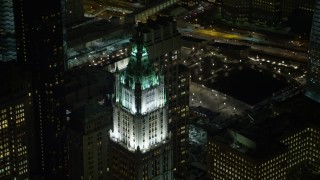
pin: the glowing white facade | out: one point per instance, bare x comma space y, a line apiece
140, 110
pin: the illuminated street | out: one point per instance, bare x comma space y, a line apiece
256, 42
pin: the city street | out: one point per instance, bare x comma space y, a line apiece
256, 43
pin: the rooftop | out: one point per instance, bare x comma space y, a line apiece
90, 31
249, 85
257, 149
259, 136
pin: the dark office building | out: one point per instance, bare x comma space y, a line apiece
232, 155
289, 6
237, 10
274, 147
267, 11
33, 35
313, 74
16, 150
44, 52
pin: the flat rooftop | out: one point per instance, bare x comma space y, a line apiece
261, 148
249, 85
89, 31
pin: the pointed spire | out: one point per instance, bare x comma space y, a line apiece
139, 50
117, 68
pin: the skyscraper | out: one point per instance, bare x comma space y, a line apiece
44, 52
163, 43
313, 74
15, 122
140, 140
32, 33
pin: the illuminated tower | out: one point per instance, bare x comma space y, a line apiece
163, 43
313, 74
140, 140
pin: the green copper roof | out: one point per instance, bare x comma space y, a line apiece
134, 51
139, 69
